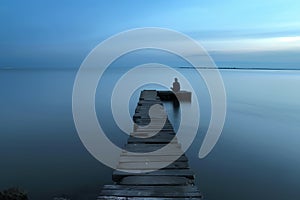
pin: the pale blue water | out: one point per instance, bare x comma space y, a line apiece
257, 156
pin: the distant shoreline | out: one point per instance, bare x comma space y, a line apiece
243, 68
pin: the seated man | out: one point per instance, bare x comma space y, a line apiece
176, 86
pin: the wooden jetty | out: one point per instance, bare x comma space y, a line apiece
182, 96
176, 181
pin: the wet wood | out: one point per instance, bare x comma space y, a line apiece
118, 175
155, 181
152, 165
155, 140
156, 158
161, 133
145, 198
150, 191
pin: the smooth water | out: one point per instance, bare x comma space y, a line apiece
256, 157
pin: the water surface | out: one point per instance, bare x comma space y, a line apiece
257, 156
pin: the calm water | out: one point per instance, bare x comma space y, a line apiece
257, 156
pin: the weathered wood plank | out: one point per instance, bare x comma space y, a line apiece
145, 111
150, 191
152, 140
118, 175
156, 181
143, 147
151, 101
149, 135
153, 130
189, 188
145, 198
143, 122
161, 132
155, 122
144, 115
152, 165
158, 128
157, 135
138, 134
155, 192
144, 119
168, 149
154, 153
167, 158
155, 146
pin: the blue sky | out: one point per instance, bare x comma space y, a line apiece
61, 33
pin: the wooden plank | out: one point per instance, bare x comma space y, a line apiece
149, 103
153, 151
157, 192
156, 122
148, 92
124, 158
152, 140
179, 188
145, 120
150, 191
151, 135
162, 132
152, 165
156, 127
147, 117
144, 110
150, 146
154, 130
142, 147
157, 181
149, 98
139, 134
118, 175
153, 121
176, 152
145, 198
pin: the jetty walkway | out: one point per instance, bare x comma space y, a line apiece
176, 181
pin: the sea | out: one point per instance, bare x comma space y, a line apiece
256, 156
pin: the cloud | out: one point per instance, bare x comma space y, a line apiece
242, 33
259, 44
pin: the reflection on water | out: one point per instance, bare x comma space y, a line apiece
257, 156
